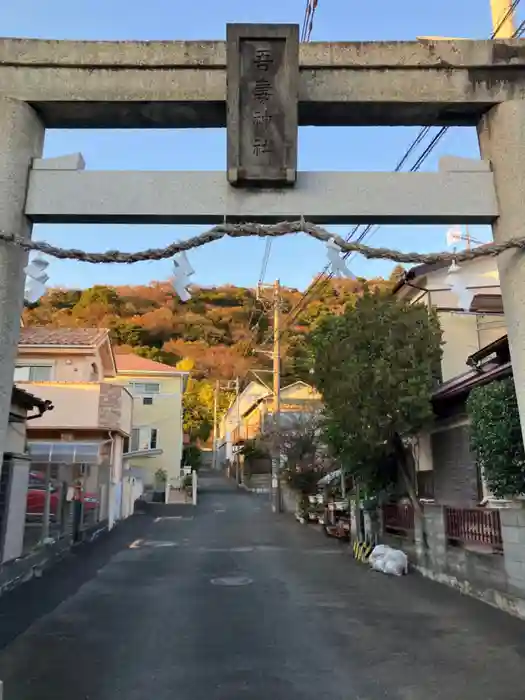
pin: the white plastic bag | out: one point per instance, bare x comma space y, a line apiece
396, 563
379, 564
378, 552
392, 568
389, 561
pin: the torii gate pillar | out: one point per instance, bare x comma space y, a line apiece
21, 140
501, 133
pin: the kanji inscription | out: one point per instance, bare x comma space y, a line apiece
263, 72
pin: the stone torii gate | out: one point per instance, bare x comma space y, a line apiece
261, 84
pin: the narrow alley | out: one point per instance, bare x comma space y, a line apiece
233, 601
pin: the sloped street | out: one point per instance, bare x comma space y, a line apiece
232, 601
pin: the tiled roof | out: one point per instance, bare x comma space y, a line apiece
129, 362
81, 337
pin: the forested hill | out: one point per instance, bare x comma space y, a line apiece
215, 332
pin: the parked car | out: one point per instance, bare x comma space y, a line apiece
36, 496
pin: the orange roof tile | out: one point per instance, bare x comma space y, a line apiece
80, 337
129, 362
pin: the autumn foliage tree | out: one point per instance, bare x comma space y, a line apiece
376, 367
216, 331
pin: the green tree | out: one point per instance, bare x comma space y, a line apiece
63, 298
99, 294
192, 456
375, 366
125, 333
156, 354
496, 438
397, 272
198, 408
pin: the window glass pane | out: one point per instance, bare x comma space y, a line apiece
144, 387
21, 374
86, 452
39, 373
39, 451
135, 439
145, 437
153, 439
63, 452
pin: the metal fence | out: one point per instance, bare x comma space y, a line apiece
474, 526
398, 519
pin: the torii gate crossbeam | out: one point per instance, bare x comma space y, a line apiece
59, 84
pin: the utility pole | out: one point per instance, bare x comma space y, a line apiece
503, 26
215, 427
237, 399
276, 456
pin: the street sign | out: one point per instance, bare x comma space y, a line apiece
262, 119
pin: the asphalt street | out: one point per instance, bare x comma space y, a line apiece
229, 601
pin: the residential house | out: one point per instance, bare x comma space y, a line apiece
464, 331
445, 469
231, 420
467, 538
256, 411
14, 472
156, 440
79, 446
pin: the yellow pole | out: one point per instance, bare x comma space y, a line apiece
502, 28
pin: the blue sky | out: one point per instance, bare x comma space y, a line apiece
294, 260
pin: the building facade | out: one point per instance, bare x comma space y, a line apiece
77, 448
156, 441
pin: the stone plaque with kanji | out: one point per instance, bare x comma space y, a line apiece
263, 77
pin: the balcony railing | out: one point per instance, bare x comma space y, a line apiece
83, 405
478, 526
398, 519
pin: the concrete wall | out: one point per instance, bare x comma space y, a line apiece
513, 532
290, 499
16, 510
115, 408
83, 405
12, 531
463, 333
16, 437
66, 367
495, 578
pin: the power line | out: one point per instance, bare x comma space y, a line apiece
306, 17
266, 257
369, 230
305, 35
324, 278
511, 10
314, 4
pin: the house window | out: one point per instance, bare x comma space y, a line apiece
144, 439
33, 373
147, 401
144, 387
425, 484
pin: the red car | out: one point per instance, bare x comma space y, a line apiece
36, 496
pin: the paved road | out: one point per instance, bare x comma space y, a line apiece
307, 623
